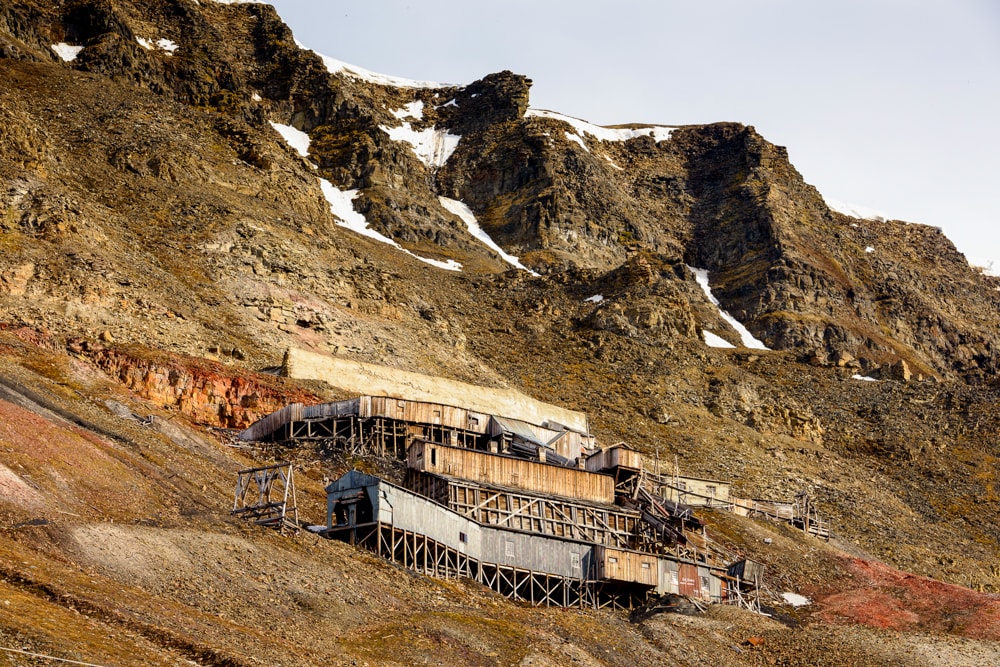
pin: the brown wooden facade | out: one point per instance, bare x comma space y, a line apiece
511, 472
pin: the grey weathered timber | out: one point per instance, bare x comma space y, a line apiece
263, 495
542, 569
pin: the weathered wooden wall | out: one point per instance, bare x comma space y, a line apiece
422, 412
695, 492
629, 566
614, 457
511, 472
531, 552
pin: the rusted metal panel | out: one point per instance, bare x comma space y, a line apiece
510, 472
630, 566
687, 580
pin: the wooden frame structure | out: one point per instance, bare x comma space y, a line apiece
420, 553
800, 513
262, 494
526, 563
609, 525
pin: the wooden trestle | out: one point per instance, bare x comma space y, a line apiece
420, 553
547, 515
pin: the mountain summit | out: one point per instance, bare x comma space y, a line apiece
186, 193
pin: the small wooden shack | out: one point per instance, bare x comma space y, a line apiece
620, 455
696, 492
627, 566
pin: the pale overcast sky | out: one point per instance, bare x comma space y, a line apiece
889, 105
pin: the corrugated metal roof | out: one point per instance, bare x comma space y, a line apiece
518, 428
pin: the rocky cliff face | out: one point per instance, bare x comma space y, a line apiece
561, 193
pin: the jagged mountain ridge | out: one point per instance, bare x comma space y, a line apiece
148, 200
718, 196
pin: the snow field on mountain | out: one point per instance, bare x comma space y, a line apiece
855, 211
294, 137
747, 338
712, 340
659, 132
342, 201
342, 205
432, 146
469, 218
335, 66
66, 51
163, 44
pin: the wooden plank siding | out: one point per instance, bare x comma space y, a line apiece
616, 456
408, 511
511, 472
265, 426
422, 412
628, 566
776, 509
696, 492
549, 515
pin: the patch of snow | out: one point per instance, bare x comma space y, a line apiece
865, 378
449, 103
167, 45
295, 138
315, 529
66, 51
855, 211
334, 66
747, 338
256, 97
796, 600
162, 44
447, 265
869, 249
414, 110
576, 138
659, 132
713, 340
432, 146
469, 218
612, 163
342, 205
988, 267
597, 298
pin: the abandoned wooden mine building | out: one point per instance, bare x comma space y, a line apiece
536, 512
